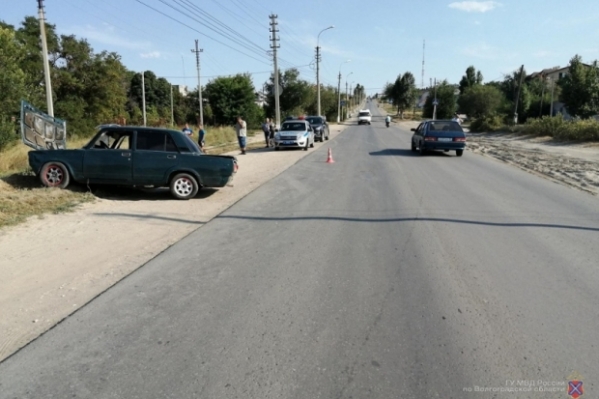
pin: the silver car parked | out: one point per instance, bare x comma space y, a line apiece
295, 134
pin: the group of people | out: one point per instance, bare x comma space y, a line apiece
201, 135
241, 130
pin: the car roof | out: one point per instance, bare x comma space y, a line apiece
139, 128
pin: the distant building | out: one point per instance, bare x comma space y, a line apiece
552, 76
182, 89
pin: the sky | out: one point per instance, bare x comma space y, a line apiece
370, 44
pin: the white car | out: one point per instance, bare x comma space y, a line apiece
364, 116
295, 134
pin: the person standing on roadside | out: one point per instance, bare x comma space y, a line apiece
201, 135
271, 131
187, 130
241, 130
266, 128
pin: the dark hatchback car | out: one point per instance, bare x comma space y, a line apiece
134, 156
320, 126
443, 135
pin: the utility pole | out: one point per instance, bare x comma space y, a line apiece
435, 102
423, 49
346, 98
339, 101
48, 80
143, 95
552, 91
542, 97
172, 108
518, 96
274, 46
318, 80
197, 52
318, 67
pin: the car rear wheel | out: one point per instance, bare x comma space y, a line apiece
326, 137
184, 186
459, 152
306, 146
277, 148
312, 144
55, 174
413, 146
422, 150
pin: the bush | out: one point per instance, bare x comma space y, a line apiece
561, 129
545, 126
486, 124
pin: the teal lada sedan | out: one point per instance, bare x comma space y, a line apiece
129, 156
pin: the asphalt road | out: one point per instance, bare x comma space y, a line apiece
383, 275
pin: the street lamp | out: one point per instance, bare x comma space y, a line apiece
339, 92
318, 65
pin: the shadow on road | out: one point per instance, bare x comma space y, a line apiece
395, 151
144, 217
407, 219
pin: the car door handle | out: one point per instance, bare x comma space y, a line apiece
171, 156
125, 154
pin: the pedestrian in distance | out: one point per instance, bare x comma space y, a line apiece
266, 130
456, 118
271, 136
187, 130
201, 135
241, 130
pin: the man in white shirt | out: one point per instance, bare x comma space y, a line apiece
241, 130
456, 118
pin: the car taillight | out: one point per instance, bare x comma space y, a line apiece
429, 138
460, 139
235, 167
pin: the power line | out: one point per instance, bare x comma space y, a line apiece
211, 26
237, 16
216, 21
201, 33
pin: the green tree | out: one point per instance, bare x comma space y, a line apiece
403, 92
298, 95
580, 88
470, 79
232, 96
510, 86
447, 101
12, 85
28, 35
480, 101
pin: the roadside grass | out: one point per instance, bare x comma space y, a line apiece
22, 195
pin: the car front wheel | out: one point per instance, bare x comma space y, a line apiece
422, 150
184, 186
459, 152
413, 146
55, 174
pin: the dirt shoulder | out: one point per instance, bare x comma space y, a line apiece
573, 164
54, 264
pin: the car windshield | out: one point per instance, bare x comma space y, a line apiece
294, 126
445, 126
315, 120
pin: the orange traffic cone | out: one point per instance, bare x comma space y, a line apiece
330, 157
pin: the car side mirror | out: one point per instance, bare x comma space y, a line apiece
413, 129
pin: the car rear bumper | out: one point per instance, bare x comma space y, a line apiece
451, 146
